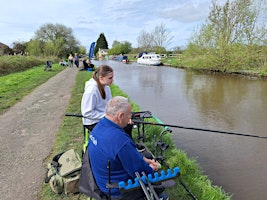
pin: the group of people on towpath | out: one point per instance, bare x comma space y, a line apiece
73, 60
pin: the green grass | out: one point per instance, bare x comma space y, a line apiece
17, 85
70, 135
207, 63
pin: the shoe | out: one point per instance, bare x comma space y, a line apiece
164, 196
140, 148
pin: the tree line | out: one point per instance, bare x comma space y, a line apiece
57, 40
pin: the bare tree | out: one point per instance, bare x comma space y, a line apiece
159, 37
145, 40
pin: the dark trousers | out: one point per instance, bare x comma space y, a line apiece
90, 127
76, 63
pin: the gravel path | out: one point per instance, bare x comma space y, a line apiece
27, 132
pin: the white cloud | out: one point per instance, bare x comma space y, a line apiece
118, 20
188, 12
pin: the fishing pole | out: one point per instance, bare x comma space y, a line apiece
184, 127
199, 129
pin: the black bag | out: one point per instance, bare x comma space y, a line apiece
87, 184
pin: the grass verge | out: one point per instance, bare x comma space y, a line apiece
17, 85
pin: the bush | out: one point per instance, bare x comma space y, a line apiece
11, 64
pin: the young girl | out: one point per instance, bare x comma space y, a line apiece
96, 95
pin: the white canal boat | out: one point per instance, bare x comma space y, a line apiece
149, 59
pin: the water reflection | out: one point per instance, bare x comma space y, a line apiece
228, 102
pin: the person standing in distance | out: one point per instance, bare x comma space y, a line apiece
76, 60
70, 60
96, 94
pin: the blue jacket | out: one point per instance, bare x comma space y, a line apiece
109, 142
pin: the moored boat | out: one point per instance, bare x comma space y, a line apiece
121, 58
149, 59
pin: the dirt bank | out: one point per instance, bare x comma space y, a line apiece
27, 132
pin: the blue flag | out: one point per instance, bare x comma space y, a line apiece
91, 52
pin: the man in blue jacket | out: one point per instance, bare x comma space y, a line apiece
109, 142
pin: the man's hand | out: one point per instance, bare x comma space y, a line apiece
152, 163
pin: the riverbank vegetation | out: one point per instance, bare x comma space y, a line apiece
232, 40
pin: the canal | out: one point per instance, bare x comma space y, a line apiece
186, 98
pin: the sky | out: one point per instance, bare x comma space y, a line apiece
121, 20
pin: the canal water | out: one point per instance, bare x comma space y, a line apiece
228, 103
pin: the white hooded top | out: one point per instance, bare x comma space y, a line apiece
93, 106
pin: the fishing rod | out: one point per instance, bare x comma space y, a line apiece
184, 127
199, 129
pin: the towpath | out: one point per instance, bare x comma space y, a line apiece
27, 133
